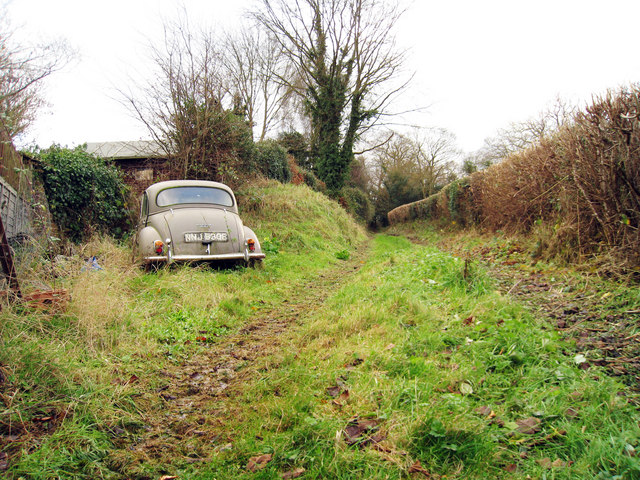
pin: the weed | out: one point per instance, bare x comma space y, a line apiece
343, 255
270, 246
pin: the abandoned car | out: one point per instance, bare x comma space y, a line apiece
193, 221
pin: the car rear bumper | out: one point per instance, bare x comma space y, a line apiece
204, 258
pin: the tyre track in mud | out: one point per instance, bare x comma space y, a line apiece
187, 416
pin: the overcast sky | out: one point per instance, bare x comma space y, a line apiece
480, 64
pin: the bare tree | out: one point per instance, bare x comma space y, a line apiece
254, 64
436, 154
521, 135
22, 71
345, 63
183, 106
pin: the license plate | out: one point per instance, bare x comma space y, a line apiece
205, 237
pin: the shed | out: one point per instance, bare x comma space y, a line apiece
143, 162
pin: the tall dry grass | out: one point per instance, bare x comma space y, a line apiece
581, 185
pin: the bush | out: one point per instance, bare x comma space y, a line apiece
357, 203
312, 181
296, 146
85, 194
271, 159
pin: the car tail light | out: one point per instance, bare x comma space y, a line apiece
158, 246
251, 243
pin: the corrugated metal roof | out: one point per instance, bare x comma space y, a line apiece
124, 150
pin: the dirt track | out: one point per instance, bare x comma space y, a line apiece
190, 410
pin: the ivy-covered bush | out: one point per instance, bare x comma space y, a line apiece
271, 159
85, 194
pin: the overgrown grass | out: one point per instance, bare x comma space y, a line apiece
82, 370
417, 364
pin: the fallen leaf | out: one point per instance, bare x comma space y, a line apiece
342, 399
259, 462
484, 411
168, 477
298, 472
571, 413
418, 468
356, 361
333, 391
465, 388
512, 467
469, 320
544, 462
529, 425
558, 463
357, 428
575, 395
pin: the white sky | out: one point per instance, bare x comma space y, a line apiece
480, 64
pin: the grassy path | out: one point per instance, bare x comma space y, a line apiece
200, 395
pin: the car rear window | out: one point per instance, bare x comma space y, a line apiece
186, 195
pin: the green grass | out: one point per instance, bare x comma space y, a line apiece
417, 349
399, 340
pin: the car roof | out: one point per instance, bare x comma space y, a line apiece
154, 189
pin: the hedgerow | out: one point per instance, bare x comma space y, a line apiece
580, 187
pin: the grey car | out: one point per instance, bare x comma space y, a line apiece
193, 221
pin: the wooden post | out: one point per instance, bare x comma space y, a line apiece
6, 261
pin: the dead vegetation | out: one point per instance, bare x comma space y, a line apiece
577, 190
